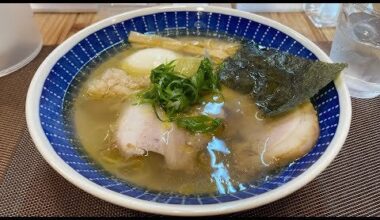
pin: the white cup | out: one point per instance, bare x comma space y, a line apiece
20, 39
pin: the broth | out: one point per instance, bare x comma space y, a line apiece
231, 159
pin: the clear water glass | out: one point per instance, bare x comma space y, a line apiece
322, 14
357, 42
20, 39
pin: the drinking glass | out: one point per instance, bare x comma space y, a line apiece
322, 14
20, 40
357, 42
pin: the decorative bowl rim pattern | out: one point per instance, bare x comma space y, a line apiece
55, 161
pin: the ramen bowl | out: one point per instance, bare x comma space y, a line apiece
59, 75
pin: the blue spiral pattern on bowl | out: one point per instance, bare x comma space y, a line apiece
65, 76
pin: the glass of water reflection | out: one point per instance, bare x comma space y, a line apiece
357, 42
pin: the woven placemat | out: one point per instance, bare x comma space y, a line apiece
350, 186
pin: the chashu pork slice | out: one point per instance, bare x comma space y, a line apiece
292, 136
140, 131
114, 82
284, 140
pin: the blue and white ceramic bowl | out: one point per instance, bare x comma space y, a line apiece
61, 72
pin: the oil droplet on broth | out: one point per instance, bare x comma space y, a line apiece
132, 166
111, 155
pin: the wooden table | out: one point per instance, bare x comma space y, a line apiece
56, 27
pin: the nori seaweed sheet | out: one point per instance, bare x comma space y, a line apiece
277, 81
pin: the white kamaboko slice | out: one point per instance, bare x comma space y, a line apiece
143, 61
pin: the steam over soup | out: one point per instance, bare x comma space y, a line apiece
158, 115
